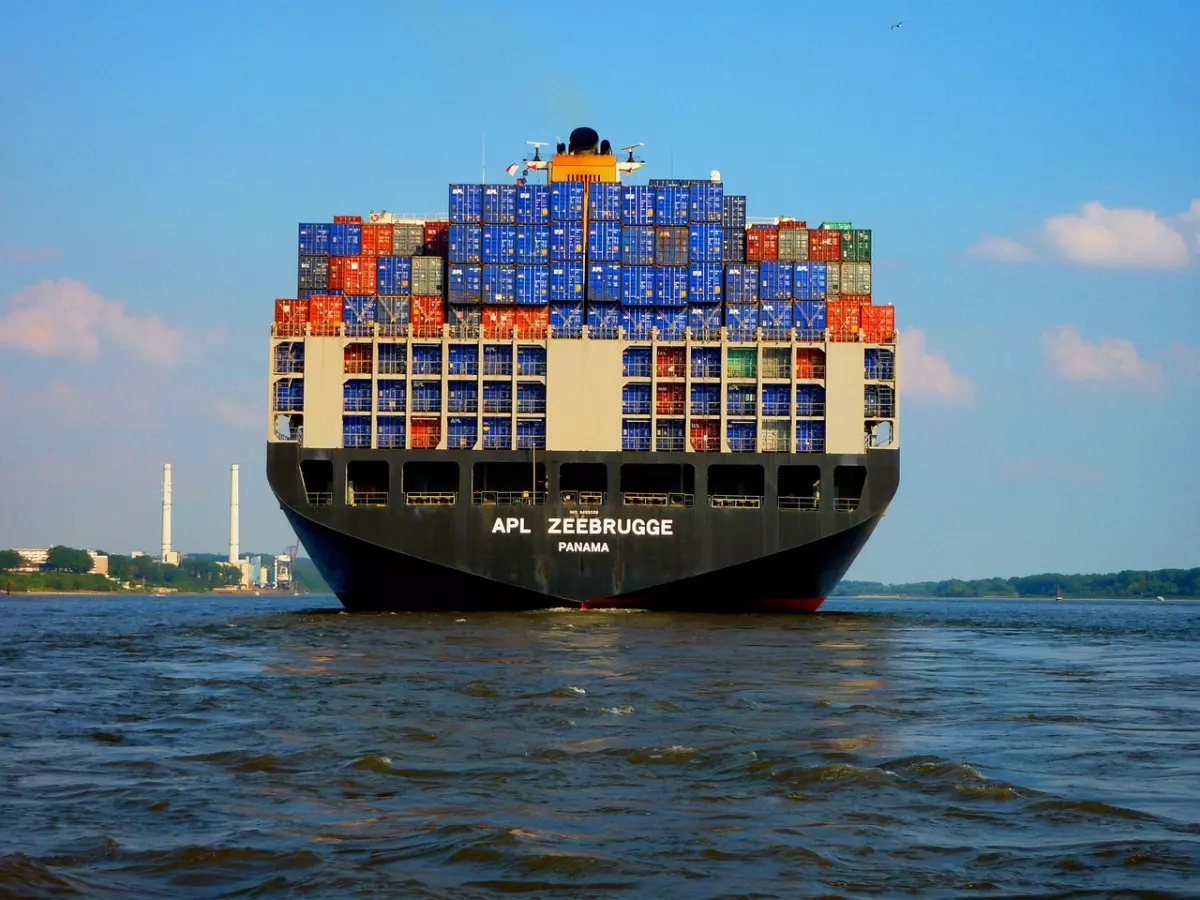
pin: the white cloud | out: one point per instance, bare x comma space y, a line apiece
1075, 358
925, 374
1100, 236
67, 318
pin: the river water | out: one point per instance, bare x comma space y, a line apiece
211, 747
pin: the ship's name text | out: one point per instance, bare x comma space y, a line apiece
590, 525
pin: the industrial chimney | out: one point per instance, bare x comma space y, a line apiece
233, 514
166, 513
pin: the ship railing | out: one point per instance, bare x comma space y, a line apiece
670, 409
497, 406
427, 404
810, 335
393, 330
707, 334
287, 405
635, 443
501, 441
498, 332
810, 409
462, 406
635, 408
425, 331
426, 441
356, 440
776, 334
846, 504
508, 498
743, 408
771, 408
531, 406
803, 504
465, 330
639, 333
427, 367
735, 501
667, 499
491, 367
604, 333
748, 335
320, 498
573, 332
879, 410
700, 370
356, 404
390, 442
743, 444
874, 373
287, 329
706, 443
360, 329
391, 366
810, 445
674, 333
741, 372
367, 498
774, 370
356, 367
706, 409
324, 329
581, 498
811, 372
670, 370
773, 443
531, 442
531, 332
442, 498
461, 441
391, 405
669, 444
531, 368
460, 368
289, 367
637, 370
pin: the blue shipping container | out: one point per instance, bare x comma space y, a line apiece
637, 204
566, 201
566, 240
637, 246
706, 399
345, 239
394, 275
635, 399
390, 395
312, 272
464, 314
391, 312
671, 204
531, 360
741, 317
671, 285
532, 285
531, 433
533, 204
637, 285
499, 284
741, 283
466, 203
704, 318
427, 359
463, 359
637, 321
604, 241
775, 280
461, 432
704, 282
671, 321
810, 437
604, 316
704, 242
314, 238
742, 436
706, 201
497, 433
356, 395
566, 282
809, 315
776, 400
533, 244
466, 243
356, 431
604, 282
499, 243
635, 435
775, 315
566, 316
390, 431
809, 280
810, 400
604, 202
464, 283
500, 203
358, 314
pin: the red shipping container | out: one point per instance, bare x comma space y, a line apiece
437, 237
335, 272
290, 317
706, 435
325, 314
670, 399
878, 323
427, 315
426, 433
810, 362
824, 245
670, 362
356, 359
860, 299
762, 243
842, 319
377, 240
532, 321
499, 321
347, 220
359, 274
792, 224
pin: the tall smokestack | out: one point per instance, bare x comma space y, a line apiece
233, 514
166, 512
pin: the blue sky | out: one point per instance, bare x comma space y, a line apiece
1031, 172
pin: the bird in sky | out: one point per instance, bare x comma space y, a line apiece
897, 25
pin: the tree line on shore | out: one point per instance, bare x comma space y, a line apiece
1127, 584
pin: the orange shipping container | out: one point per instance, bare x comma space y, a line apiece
670, 362
789, 224
359, 274
842, 319
878, 323
860, 299
426, 433
532, 321
427, 315
499, 321
347, 220
290, 317
824, 244
377, 240
810, 362
762, 243
706, 434
356, 359
325, 314
437, 237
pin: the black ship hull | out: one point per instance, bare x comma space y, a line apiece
390, 555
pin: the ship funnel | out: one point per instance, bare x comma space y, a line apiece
166, 512
584, 140
233, 514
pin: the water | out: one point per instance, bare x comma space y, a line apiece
272, 746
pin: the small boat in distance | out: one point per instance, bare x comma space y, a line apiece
1057, 594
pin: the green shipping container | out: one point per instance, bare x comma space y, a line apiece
428, 276
793, 244
742, 362
856, 245
836, 226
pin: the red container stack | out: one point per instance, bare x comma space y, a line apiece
670, 362
355, 274
377, 240
437, 237
427, 315
810, 362
824, 245
426, 433
325, 314
842, 319
532, 321
347, 220
290, 317
356, 359
878, 323
706, 435
499, 321
670, 400
762, 243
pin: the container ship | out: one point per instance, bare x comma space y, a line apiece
576, 390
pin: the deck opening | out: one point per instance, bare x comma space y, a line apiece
582, 484
367, 483
289, 427
430, 483
508, 484
736, 487
799, 487
658, 484
848, 483
880, 434
317, 475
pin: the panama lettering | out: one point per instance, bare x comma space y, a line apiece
589, 526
